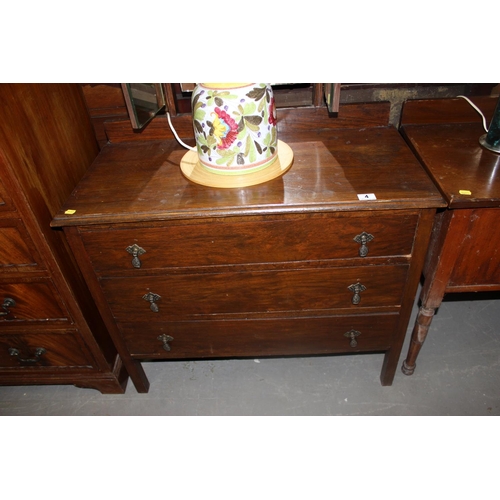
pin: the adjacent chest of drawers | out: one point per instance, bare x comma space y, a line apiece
50, 329
301, 265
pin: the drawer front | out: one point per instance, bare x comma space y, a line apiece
196, 295
266, 337
227, 243
17, 251
36, 350
33, 301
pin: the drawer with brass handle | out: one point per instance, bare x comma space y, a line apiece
43, 350
30, 301
158, 298
251, 242
263, 337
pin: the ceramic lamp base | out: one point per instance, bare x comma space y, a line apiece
196, 172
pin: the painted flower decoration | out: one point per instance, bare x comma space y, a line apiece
272, 112
225, 129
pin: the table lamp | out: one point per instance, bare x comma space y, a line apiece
491, 140
235, 128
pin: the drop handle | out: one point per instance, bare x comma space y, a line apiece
356, 289
39, 352
352, 334
165, 339
7, 302
363, 239
152, 298
136, 251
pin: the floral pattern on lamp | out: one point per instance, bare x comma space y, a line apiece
235, 126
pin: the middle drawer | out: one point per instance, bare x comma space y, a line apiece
187, 295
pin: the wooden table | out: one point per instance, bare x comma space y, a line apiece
464, 252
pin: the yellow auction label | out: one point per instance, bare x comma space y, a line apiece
465, 191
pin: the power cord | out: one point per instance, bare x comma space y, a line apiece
477, 109
177, 137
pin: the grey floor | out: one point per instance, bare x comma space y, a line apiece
458, 373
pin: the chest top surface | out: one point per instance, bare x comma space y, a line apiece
445, 136
142, 181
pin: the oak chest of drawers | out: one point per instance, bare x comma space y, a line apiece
305, 264
50, 329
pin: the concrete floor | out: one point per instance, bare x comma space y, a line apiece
458, 373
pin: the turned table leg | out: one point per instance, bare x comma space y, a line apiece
448, 232
420, 330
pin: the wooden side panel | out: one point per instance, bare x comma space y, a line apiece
36, 120
478, 259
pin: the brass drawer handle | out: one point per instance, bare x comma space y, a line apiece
166, 339
363, 239
152, 298
352, 334
39, 352
356, 289
7, 302
136, 251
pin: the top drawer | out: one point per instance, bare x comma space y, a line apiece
229, 242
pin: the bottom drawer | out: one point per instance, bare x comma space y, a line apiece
264, 337
35, 350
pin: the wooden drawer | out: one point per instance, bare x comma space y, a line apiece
245, 293
17, 252
35, 350
29, 301
265, 337
227, 242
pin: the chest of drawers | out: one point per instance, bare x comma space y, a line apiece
300, 265
50, 329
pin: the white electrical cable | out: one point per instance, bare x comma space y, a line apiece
177, 137
477, 109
